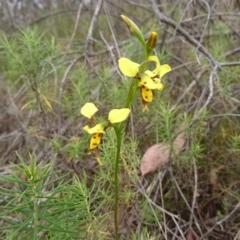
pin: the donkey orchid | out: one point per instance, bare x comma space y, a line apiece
114, 116
148, 80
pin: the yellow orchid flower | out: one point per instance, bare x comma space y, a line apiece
114, 116
148, 80
97, 131
88, 110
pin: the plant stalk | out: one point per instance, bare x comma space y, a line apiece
119, 141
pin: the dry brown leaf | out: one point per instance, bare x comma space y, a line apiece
179, 142
180, 139
190, 235
155, 157
158, 155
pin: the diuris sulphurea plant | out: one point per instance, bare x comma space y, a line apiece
143, 78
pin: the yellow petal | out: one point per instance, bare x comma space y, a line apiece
155, 59
156, 71
95, 140
165, 68
88, 110
159, 86
144, 66
118, 115
147, 82
147, 94
127, 67
150, 73
96, 129
160, 70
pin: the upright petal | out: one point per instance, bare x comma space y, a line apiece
155, 59
156, 71
127, 67
88, 110
118, 115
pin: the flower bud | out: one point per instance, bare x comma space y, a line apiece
134, 29
152, 41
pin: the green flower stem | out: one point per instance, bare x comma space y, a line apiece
147, 53
118, 131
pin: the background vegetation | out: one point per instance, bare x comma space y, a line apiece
56, 56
